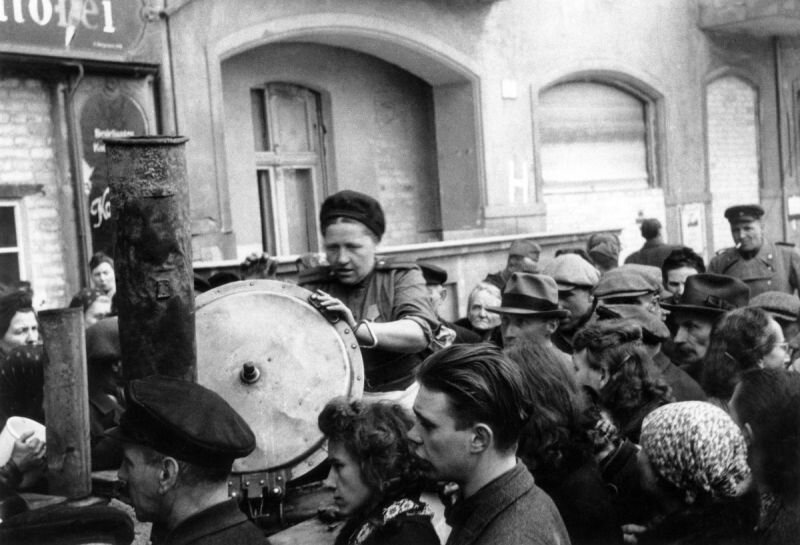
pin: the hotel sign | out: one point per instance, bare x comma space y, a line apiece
84, 25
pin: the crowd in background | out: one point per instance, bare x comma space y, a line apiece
649, 402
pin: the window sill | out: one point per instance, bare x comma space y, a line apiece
507, 211
18, 191
606, 186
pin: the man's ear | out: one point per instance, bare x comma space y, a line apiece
482, 438
552, 325
168, 474
443, 294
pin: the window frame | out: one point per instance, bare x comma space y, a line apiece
655, 153
19, 225
270, 161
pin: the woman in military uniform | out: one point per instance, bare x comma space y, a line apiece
385, 303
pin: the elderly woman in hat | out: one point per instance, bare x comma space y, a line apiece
693, 468
385, 303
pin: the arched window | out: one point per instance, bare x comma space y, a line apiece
595, 136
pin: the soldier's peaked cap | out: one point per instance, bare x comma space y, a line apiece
184, 420
744, 212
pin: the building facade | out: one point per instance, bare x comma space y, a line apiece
472, 121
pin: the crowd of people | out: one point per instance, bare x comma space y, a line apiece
577, 401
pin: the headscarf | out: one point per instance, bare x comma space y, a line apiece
698, 448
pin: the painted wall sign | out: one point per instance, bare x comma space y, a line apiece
98, 25
110, 110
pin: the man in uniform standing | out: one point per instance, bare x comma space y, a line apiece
761, 264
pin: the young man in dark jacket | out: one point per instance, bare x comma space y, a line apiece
471, 406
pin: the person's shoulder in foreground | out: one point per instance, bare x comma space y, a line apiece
509, 510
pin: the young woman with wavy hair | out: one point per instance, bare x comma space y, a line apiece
375, 473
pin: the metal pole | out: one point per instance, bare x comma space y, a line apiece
66, 402
153, 261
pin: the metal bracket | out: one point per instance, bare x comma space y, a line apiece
270, 485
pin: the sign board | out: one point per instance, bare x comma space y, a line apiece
89, 25
108, 107
693, 227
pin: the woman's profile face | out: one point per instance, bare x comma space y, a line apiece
351, 493
778, 357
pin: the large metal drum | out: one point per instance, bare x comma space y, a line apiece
277, 361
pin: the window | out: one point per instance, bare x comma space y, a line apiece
595, 136
10, 250
290, 170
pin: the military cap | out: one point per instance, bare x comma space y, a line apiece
525, 248
712, 293
744, 212
102, 342
782, 306
432, 274
353, 205
184, 420
652, 325
571, 271
530, 295
629, 281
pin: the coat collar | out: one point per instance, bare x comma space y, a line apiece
470, 517
208, 521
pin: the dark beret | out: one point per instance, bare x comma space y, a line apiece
102, 342
432, 273
356, 206
744, 212
184, 420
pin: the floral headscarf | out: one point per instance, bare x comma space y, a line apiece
698, 448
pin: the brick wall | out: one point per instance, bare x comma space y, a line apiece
27, 156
